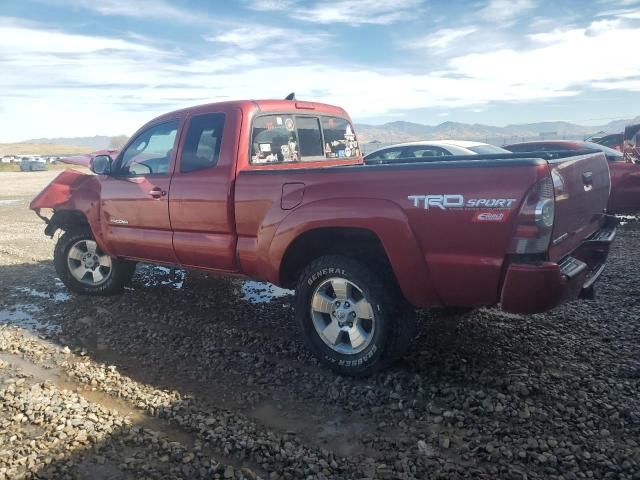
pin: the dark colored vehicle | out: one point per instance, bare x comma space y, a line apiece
625, 174
614, 140
631, 143
277, 190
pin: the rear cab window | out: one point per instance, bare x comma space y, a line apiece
288, 138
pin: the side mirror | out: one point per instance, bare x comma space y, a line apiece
101, 164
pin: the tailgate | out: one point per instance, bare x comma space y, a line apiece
582, 187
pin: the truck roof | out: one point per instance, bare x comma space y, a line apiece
263, 106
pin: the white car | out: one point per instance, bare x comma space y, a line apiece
433, 148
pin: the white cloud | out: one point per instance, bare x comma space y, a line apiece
504, 11
257, 36
60, 84
376, 12
270, 5
621, 3
379, 12
441, 39
55, 42
142, 9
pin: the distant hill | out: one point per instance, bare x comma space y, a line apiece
401, 131
98, 142
42, 149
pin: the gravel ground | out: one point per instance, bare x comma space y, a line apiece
187, 375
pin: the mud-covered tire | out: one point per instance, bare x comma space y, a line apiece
119, 275
394, 321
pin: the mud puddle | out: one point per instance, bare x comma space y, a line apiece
262, 292
55, 296
23, 315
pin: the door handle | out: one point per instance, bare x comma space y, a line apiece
157, 192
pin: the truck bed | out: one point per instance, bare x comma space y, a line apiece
461, 258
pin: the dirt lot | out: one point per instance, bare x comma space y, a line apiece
186, 376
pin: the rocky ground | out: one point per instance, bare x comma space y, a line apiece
191, 376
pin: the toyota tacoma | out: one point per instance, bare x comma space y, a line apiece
277, 190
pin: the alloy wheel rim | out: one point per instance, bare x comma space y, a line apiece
87, 264
342, 316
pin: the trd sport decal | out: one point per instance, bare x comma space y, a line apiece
457, 201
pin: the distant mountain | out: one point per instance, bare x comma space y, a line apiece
401, 131
98, 142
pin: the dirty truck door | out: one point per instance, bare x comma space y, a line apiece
201, 196
135, 198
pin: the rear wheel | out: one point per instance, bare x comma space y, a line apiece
85, 269
350, 318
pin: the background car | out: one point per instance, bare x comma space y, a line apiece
430, 150
625, 175
614, 140
31, 165
564, 145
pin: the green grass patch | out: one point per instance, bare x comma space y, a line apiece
15, 167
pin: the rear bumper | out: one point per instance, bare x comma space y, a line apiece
535, 288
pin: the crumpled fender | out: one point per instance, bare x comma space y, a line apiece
75, 192
385, 219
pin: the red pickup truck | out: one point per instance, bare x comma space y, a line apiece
277, 190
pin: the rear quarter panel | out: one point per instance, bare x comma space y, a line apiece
439, 256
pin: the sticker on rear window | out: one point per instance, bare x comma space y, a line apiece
288, 123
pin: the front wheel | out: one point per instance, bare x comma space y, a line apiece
351, 320
85, 269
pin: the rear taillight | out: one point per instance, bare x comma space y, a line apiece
534, 223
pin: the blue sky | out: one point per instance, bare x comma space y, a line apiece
85, 67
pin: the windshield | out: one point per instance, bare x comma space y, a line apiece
487, 149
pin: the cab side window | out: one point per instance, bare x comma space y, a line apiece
202, 143
150, 152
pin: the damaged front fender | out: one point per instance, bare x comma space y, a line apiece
74, 198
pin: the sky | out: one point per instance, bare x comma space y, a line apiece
86, 67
